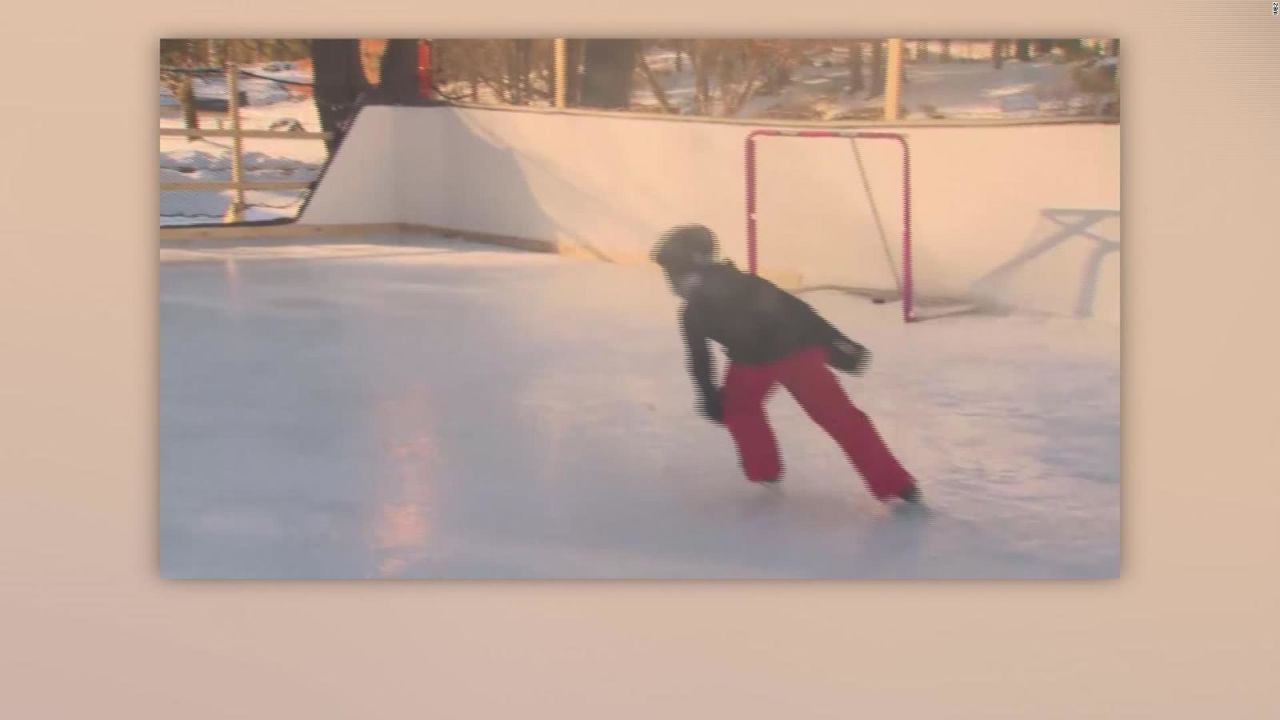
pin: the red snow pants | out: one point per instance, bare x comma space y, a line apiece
806, 376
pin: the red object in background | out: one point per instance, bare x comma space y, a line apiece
425, 89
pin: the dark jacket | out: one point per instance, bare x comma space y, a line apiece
755, 321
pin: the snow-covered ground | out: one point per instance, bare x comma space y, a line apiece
209, 159
964, 88
382, 410
957, 90
257, 82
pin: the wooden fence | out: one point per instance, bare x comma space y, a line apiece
235, 211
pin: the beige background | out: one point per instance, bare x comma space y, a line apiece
88, 630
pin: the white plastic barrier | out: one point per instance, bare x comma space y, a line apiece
1026, 215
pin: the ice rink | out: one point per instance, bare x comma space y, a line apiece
371, 409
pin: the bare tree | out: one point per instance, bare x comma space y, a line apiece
1023, 51
502, 68
655, 86
610, 65
758, 64
175, 56
729, 73
339, 83
701, 56
877, 69
519, 67
856, 82
1073, 48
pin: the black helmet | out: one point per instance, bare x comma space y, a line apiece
685, 246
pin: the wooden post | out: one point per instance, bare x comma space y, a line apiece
561, 70
235, 211
893, 79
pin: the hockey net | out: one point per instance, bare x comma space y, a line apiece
828, 217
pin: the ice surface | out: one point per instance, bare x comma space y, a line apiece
374, 410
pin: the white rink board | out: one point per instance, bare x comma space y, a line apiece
612, 183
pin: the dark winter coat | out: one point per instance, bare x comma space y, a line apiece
756, 323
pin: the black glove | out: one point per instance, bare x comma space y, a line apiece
711, 407
849, 356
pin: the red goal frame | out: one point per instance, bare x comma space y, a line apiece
908, 299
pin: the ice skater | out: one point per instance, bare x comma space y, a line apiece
770, 337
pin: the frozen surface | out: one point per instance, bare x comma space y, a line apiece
372, 410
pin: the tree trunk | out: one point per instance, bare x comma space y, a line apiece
1073, 49
339, 83
510, 87
655, 86
776, 78
524, 70
997, 54
749, 87
1023, 50
1113, 48
700, 58
724, 81
946, 51
610, 67
856, 83
397, 74
877, 69
190, 114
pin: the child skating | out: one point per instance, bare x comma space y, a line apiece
771, 338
